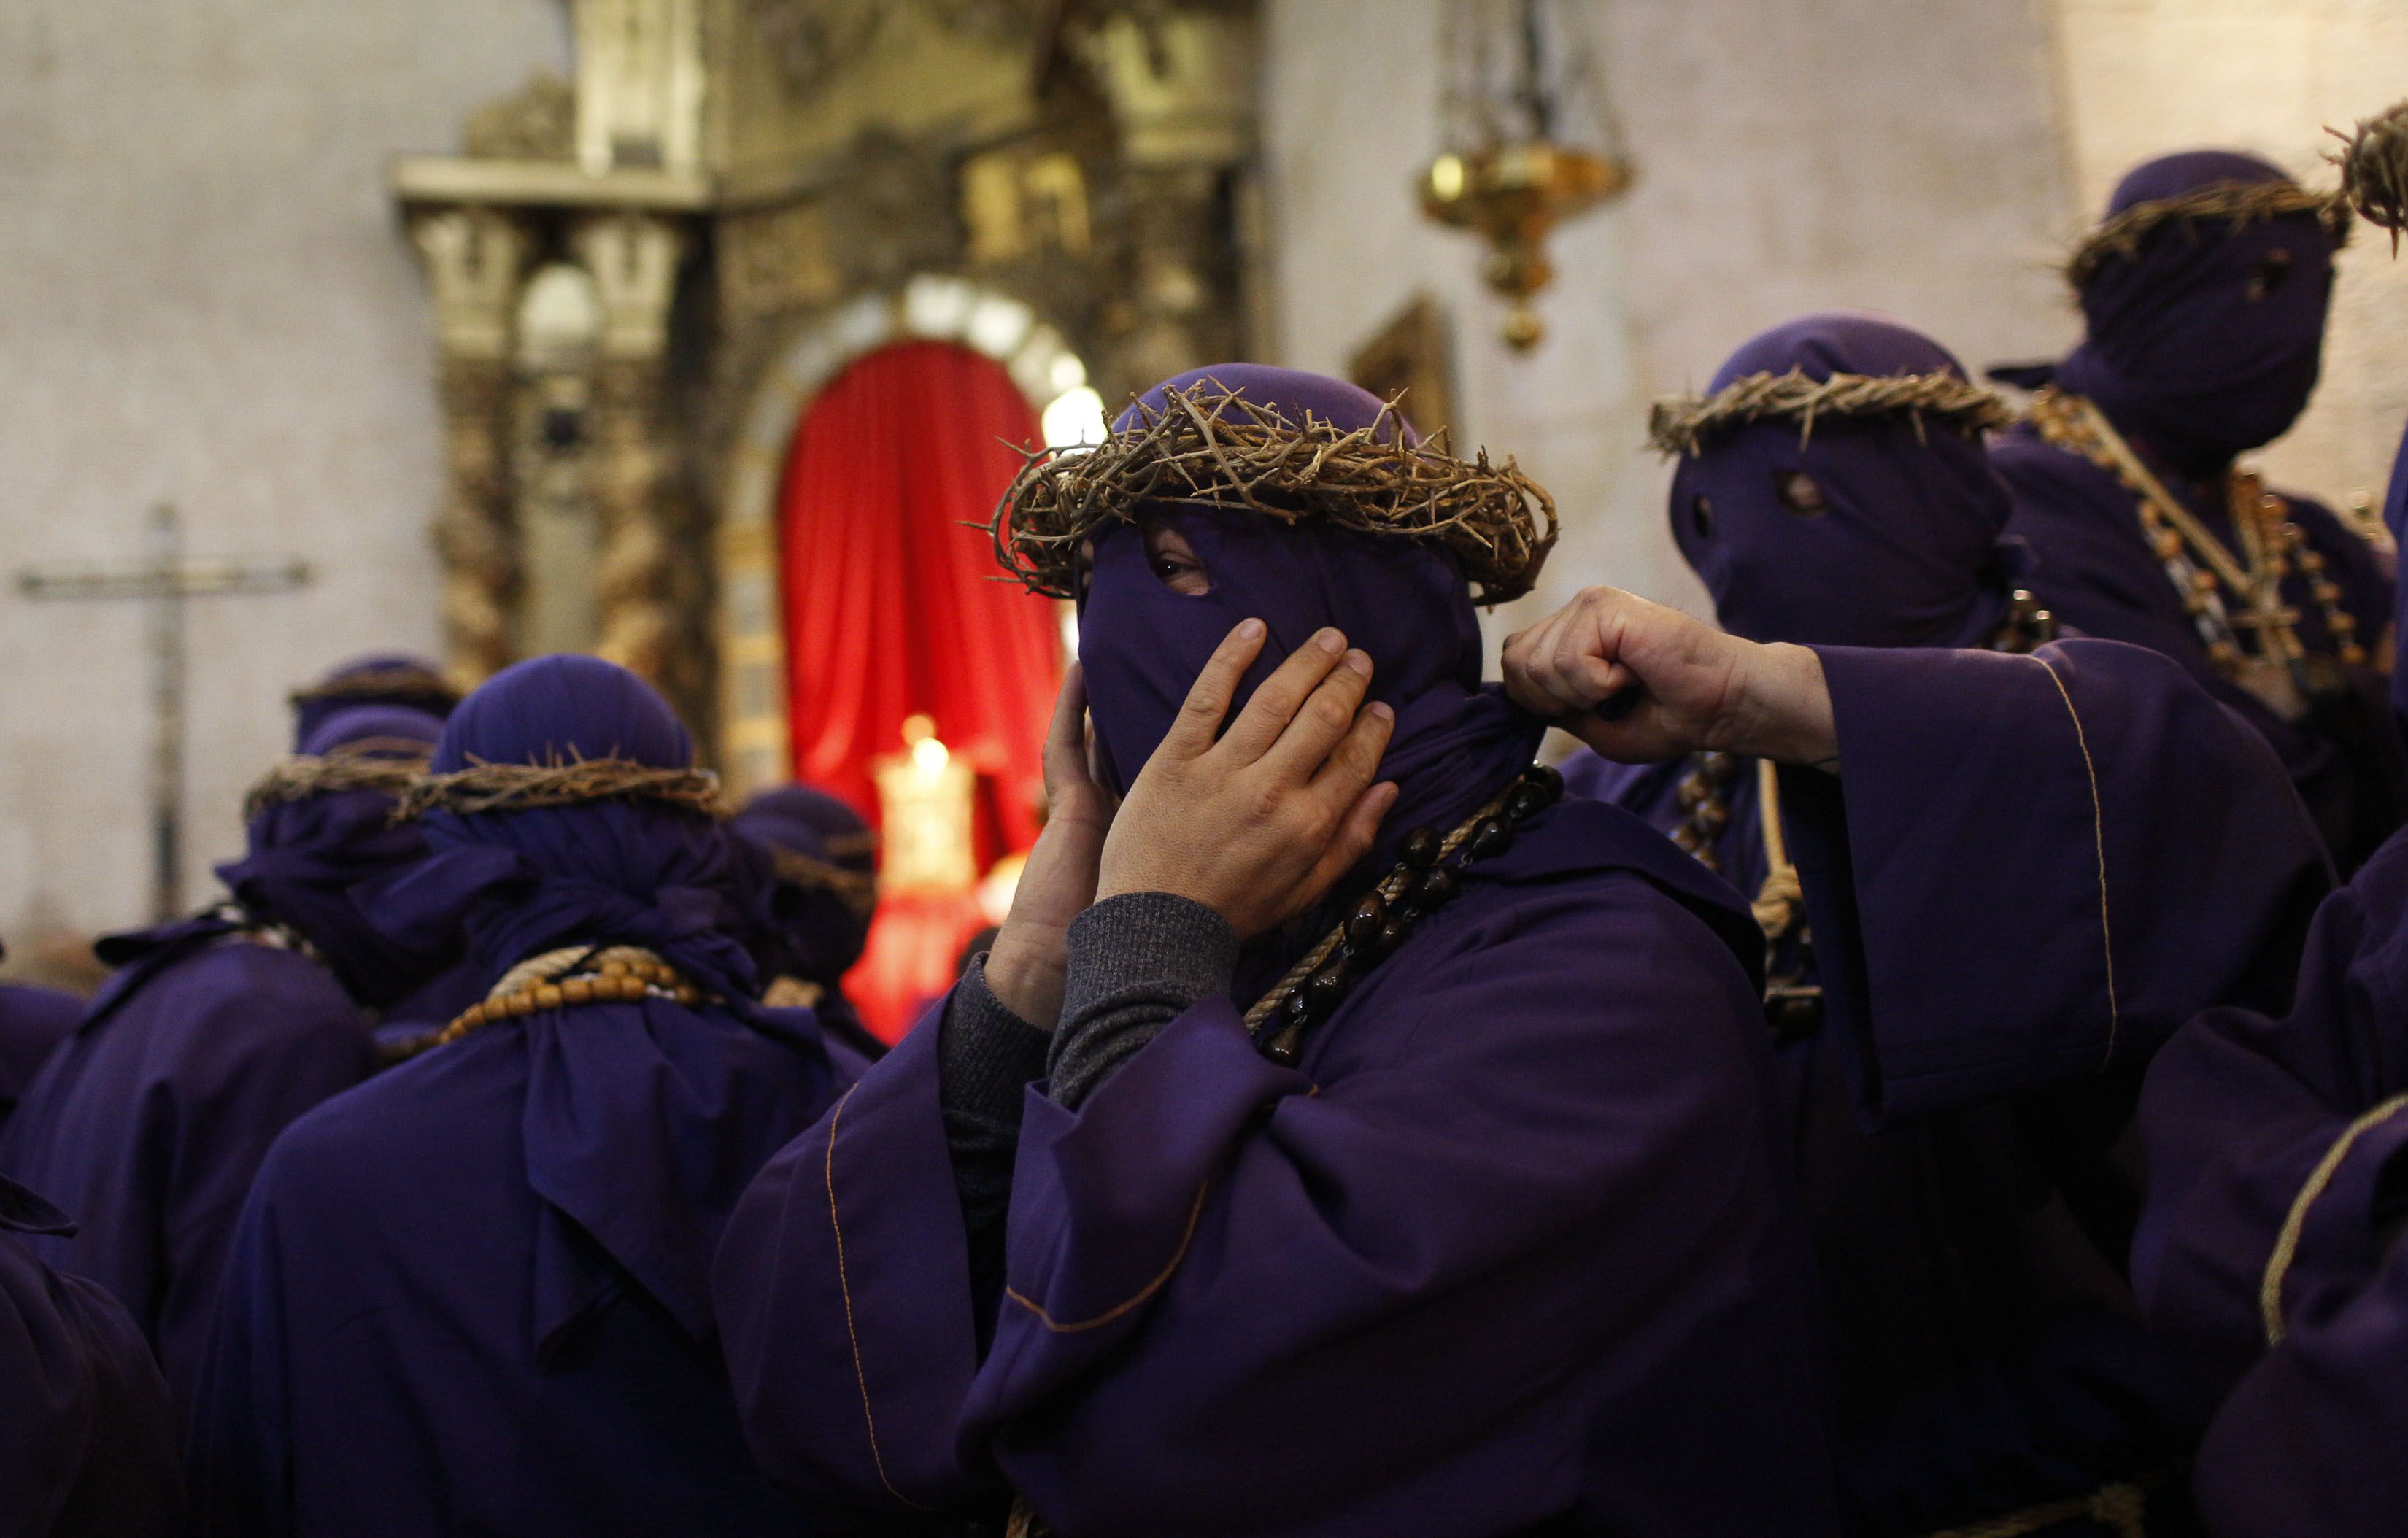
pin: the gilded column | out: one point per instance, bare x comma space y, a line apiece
633, 258
475, 259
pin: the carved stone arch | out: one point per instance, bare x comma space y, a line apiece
755, 744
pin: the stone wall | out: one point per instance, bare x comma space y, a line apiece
206, 296
1792, 155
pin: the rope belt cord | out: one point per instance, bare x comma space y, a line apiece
2122, 1507
2286, 1240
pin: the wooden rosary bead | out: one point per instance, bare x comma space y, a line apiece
1421, 848
1323, 991
577, 990
1282, 1049
1492, 837
1430, 890
1529, 799
1547, 778
1363, 924
1392, 934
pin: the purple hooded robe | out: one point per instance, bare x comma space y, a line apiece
2272, 1132
1508, 1251
471, 1295
1985, 1355
2204, 346
87, 1435
213, 1035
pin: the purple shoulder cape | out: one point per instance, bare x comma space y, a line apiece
87, 1436
1511, 1246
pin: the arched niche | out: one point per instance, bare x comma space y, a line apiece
755, 746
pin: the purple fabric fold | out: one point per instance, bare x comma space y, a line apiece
88, 1446
2240, 1110
850, 1365
2124, 900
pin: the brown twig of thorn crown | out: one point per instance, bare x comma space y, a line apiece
2374, 163
521, 786
389, 764
1680, 423
1212, 448
2236, 204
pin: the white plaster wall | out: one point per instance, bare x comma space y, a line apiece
1897, 155
204, 296
2144, 77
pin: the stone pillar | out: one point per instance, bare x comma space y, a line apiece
1180, 84
633, 258
475, 259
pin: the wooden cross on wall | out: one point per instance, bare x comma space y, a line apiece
164, 579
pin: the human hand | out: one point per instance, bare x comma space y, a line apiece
1258, 822
1698, 687
1028, 963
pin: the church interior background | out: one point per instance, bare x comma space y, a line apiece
691, 331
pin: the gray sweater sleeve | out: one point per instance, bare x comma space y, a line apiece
986, 1057
1138, 961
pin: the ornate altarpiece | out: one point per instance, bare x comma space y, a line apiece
643, 277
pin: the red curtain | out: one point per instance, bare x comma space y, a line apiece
892, 610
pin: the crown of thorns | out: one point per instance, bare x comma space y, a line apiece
521, 786
1212, 448
2374, 161
2237, 204
381, 683
1679, 424
389, 764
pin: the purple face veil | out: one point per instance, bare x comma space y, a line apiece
306, 856
1406, 605
385, 678
1904, 548
2208, 341
817, 932
623, 870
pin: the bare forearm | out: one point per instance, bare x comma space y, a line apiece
1784, 710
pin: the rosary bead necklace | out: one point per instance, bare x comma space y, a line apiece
1421, 883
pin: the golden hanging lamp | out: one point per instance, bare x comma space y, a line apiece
1516, 180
